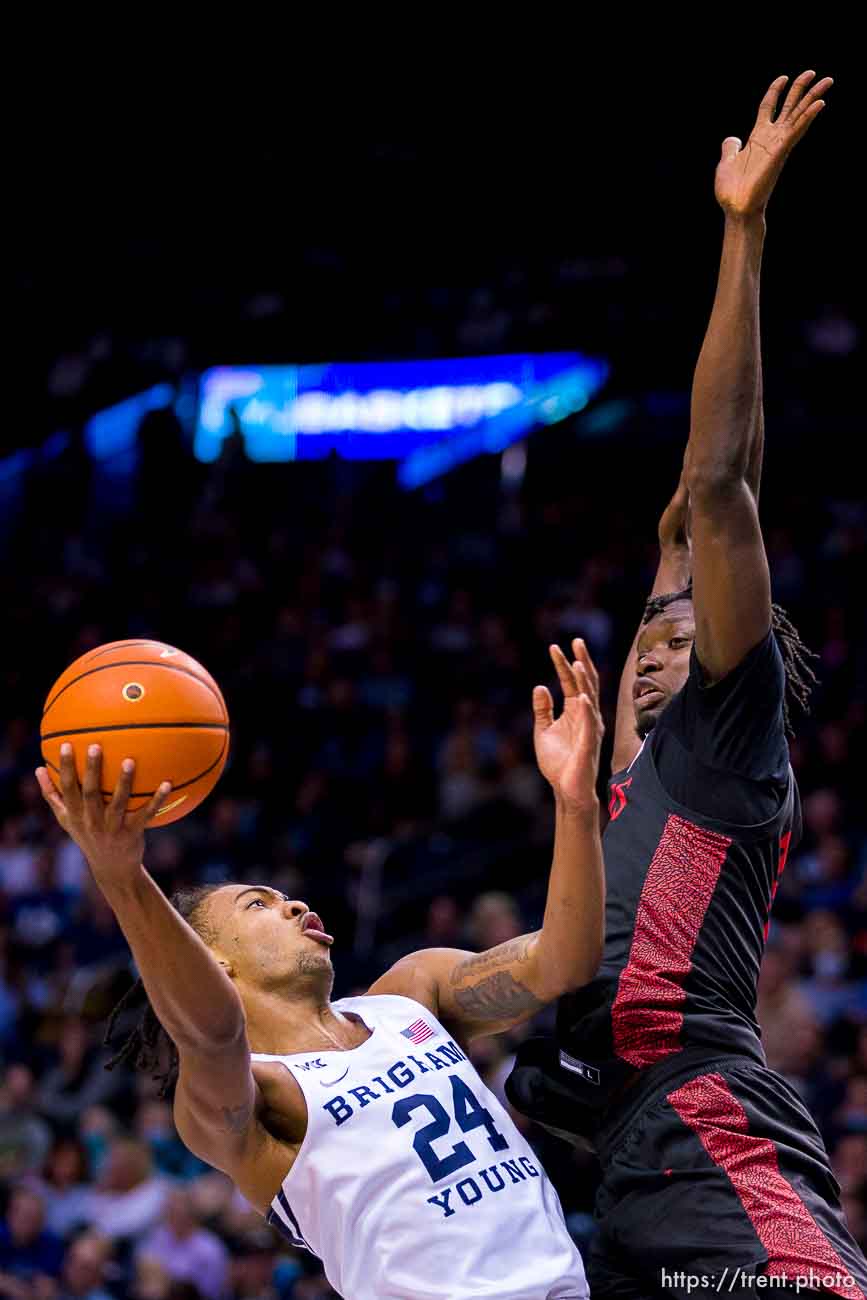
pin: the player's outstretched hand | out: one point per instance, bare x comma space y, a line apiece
110, 837
567, 749
746, 175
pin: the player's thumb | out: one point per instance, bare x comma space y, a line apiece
543, 707
731, 146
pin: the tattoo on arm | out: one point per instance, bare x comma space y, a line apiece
487, 987
236, 1118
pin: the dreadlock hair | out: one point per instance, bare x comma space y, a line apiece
800, 677
148, 1047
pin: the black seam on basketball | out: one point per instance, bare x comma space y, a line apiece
136, 726
124, 645
149, 794
134, 663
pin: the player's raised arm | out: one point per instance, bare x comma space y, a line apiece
731, 584
485, 993
193, 998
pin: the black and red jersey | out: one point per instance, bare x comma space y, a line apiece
700, 827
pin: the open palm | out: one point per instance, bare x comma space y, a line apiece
745, 177
567, 749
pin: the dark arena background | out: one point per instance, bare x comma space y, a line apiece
363, 396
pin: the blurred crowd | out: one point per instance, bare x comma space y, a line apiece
377, 651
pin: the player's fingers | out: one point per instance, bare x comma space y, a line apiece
69, 787
143, 816
768, 106
114, 813
91, 788
796, 90
564, 672
815, 92
543, 707
807, 118
596, 716
731, 147
582, 677
582, 654
593, 728
50, 795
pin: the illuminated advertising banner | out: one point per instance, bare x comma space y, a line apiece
427, 415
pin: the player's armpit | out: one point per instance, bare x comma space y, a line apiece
477, 993
218, 1114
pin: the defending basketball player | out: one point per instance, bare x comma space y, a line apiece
359, 1128
712, 1167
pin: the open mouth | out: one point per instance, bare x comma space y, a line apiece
312, 928
646, 691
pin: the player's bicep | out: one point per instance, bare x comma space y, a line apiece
473, 992
731, 581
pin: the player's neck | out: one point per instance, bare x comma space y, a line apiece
305, 1021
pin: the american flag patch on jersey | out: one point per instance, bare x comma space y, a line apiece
418, 1032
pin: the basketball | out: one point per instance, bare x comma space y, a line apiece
147, 701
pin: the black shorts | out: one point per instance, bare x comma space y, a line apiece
713, 1182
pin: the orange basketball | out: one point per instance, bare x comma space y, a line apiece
147, 701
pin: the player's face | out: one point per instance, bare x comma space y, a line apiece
663, 662
266, 938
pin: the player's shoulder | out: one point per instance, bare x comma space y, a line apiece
416, 977
374, 998
761, 669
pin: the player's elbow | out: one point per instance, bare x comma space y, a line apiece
714, 479
223, 1032
584, 970
567, 973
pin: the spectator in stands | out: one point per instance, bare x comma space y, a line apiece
78, 1080
64, 1186
25, 1139
28, 1252
494, 919
783, 1011
186, 1250
129, 1196
85, 1268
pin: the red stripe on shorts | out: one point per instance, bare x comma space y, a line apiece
646, 1017
793, 1241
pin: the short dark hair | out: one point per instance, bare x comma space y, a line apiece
148, 1047
800, 678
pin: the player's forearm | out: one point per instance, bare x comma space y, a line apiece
568, 948
726, 418
191, 995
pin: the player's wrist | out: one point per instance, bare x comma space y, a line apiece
116, 878
750, 223
581, 810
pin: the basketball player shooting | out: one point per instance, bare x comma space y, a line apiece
712, 1167
359, 1128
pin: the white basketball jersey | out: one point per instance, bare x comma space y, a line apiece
412, 1182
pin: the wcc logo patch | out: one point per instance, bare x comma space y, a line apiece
316, 1064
